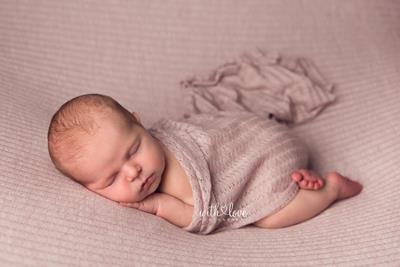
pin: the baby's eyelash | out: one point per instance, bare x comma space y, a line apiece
136, 149
113, 179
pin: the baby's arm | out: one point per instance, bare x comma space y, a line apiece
175, 210
165, 206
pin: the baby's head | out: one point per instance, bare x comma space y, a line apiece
96, 142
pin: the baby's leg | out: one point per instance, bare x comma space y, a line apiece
308, 203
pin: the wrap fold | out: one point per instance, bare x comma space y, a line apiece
291, 89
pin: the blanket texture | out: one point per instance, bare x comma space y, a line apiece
134, 51
238, 165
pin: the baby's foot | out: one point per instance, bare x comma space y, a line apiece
308, 179
345, 187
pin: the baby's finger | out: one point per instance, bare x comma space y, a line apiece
129, 204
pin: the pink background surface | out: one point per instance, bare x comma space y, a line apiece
138, 52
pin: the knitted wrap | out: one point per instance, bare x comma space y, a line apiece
238, 165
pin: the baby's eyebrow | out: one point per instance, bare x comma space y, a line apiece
132, 144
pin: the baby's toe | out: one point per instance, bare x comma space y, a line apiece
316, 186
307, 174
297, 176
305, 183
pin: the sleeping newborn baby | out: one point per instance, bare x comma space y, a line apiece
206, 173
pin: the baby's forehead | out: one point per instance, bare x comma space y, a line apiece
90, 127
115, 127
101, 119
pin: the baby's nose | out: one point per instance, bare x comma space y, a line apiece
133, 172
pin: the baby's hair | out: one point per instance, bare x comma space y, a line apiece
74, 122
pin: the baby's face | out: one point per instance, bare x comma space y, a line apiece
118, 162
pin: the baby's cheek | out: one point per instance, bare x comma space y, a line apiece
161, 160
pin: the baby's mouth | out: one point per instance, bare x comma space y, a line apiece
145, 182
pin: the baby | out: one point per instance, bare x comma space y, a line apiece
96, 142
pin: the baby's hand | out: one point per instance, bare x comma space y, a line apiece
150, 204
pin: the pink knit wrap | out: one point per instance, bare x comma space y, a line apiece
238, 165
